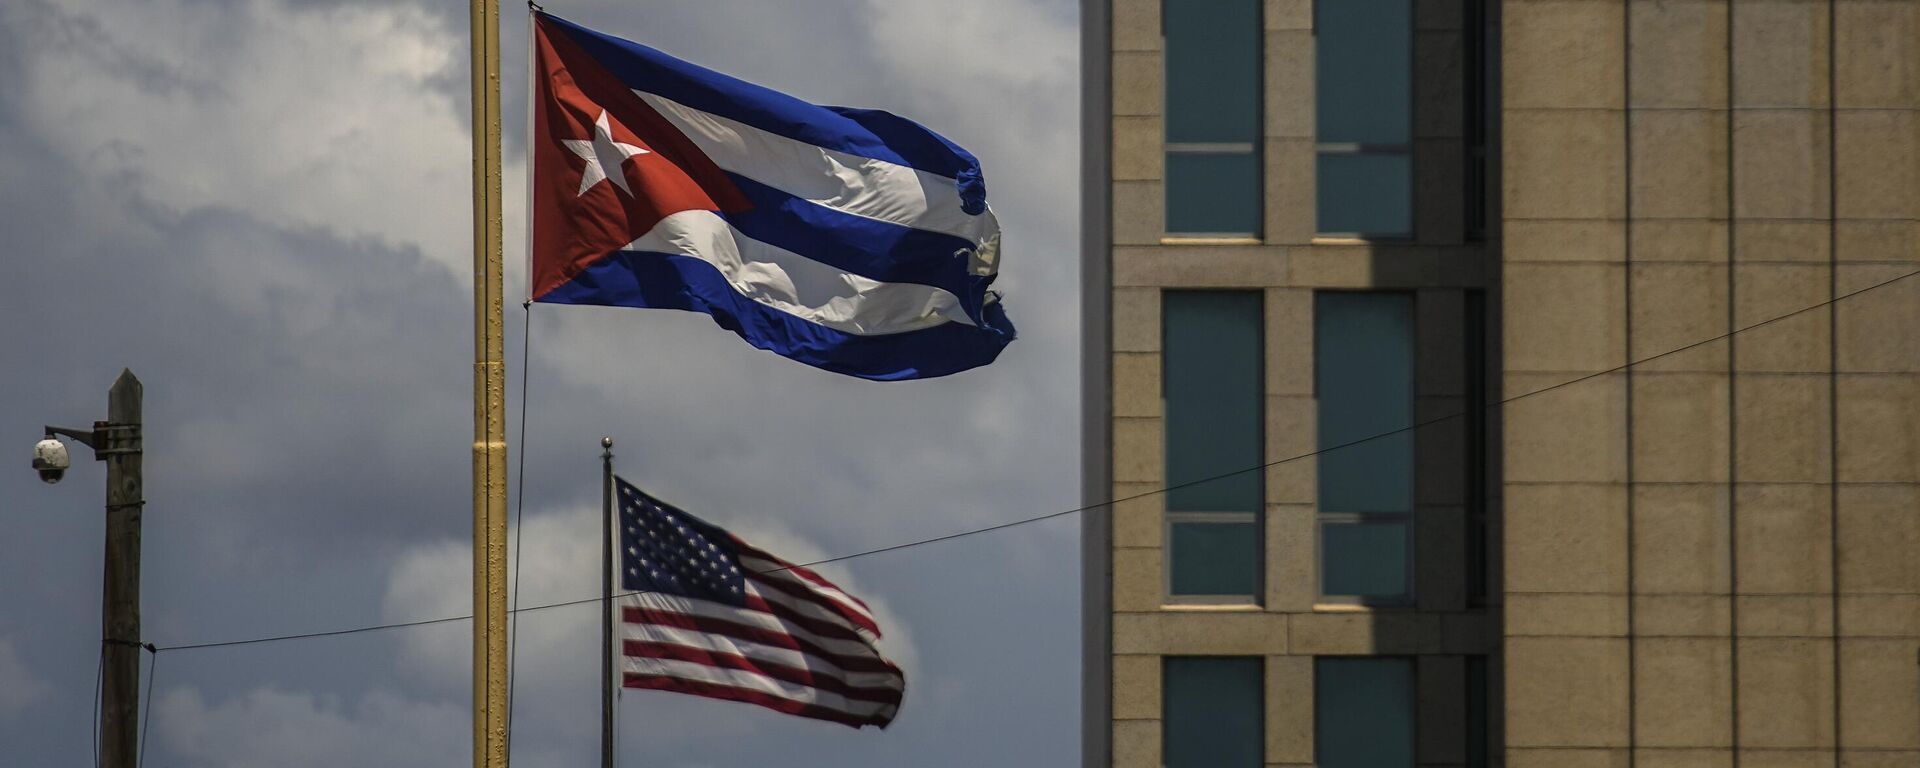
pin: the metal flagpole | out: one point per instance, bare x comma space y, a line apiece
606, 602
489, 401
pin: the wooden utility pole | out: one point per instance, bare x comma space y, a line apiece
489, 402
117, 442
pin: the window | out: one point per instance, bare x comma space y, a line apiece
1211, 350
1364, 86
1363, 383
1212, 712
1363, 712
1213, 117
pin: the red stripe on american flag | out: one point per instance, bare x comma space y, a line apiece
731, 693
799, 592
799, 570
798, 676
824, 627
793, 642
752, 634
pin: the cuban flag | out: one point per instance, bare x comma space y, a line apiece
849, 239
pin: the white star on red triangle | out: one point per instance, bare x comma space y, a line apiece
606, 158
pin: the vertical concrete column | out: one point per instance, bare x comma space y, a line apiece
1782, 518
1289, 711
1440, 514
1439, 149
1136, 710
1138, 452
1290, 114
1441, 714
1877, 380
1292, 557
1139, 208
1139, 212
1678, 298
1564, 289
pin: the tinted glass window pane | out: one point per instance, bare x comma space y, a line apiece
1365, 70
1363, 713
1212, 385
1363, 369
1365, 194
1214, 193
1212, 710
1213, 70
1363, 559
1215, 558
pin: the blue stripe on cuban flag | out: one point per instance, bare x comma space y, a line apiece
869, 249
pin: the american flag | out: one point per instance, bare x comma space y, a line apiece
715, 616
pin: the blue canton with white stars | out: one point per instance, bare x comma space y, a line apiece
666, 550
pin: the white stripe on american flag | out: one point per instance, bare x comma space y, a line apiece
757, 619
812, 606
790, 574
805, 694
715, 643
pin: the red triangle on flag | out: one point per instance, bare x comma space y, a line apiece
606, 166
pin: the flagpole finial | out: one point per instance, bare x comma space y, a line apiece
606, 445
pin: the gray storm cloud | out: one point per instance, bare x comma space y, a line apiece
260, 206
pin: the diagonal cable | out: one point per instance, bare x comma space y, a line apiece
1109, 502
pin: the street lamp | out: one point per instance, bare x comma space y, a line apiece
117, 442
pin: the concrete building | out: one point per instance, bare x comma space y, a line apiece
1502, 382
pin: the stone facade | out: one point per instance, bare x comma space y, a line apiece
1288, 263
1702, 495
1748, 532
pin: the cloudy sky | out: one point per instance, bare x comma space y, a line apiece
261, 207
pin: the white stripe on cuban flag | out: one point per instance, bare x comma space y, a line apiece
800, 286
861, 186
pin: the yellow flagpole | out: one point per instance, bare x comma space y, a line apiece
489, 403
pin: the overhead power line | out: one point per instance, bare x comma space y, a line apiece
1110, 502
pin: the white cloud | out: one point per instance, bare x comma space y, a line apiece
290, 729
299, 151
300, 115
19, 687
561, 563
